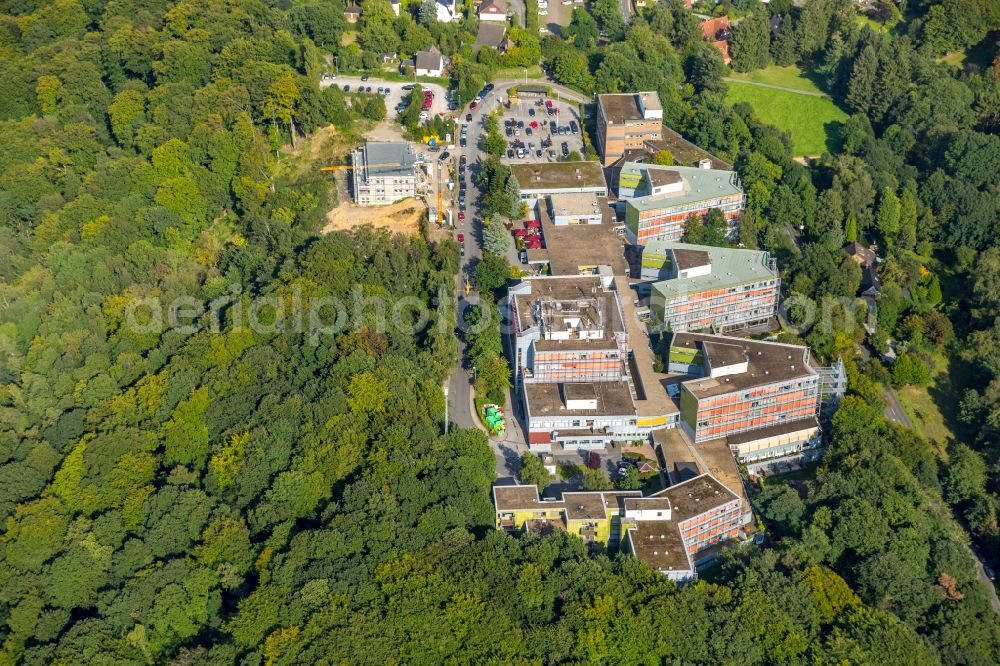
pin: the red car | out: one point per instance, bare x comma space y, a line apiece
461, 238
534, 124
473, 105
548, 103
461, 216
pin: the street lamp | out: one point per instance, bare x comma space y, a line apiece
525, 76
446, 407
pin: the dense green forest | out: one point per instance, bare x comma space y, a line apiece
211, 494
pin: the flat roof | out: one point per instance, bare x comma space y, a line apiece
676, 448
594, 505
773, 431
658, 543
571, 247
685, 258
555, 299
581, 391
387, 152
767, 363
575, 203
510, 498
721, 354
653, 399
624, 107
661, 177
548, 176
546, 399
719, 462
730, 266
699, 185
648, 504
696, 496
684, 151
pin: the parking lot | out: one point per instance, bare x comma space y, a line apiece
541, 130
398, 91
554, 15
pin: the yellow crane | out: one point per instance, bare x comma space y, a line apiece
468, 286
347, 167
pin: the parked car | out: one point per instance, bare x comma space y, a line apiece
510, 153
445, 155
527, 131
538, 153
364, 77
468, 117
347, 88
573, 127
408, 86
461, 237
531, 112
461, 216
472, 106
565, 149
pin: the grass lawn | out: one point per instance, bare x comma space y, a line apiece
534, 72
786, 77
955, 58
931, 408
813, 122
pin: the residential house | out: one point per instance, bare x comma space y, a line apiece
493, 10
491, 34
718, 32
430, 62
352, 14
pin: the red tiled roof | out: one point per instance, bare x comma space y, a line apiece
711, 27
539, 437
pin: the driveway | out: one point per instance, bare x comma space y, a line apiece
396, 92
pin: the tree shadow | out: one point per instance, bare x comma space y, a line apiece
834, 130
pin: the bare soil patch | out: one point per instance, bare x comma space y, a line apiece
403, 216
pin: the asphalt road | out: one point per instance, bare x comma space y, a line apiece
893, 410
460, 393
991, 590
